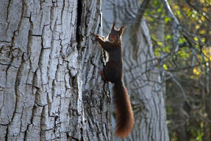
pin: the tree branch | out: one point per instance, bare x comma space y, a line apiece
140, 14
175, 23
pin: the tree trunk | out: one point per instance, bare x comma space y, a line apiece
50, 88
142, 79
177, 100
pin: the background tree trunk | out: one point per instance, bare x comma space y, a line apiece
141, 79
177, 101
50, 88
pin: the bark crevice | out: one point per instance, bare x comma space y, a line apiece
79, 15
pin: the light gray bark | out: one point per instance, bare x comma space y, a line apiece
142, 79
50, 88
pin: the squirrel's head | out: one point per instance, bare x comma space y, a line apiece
115, 34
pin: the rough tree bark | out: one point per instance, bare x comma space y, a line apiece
50, 88
142, 79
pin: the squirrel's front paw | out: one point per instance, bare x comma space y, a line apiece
96, 35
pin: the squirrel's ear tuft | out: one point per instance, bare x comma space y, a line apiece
121, 30
113, 27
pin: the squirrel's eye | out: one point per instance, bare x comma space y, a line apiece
117, 37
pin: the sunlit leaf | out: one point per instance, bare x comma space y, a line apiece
203, 40
168, 37
195, 38
159, 10
167, 19
165, 67
157, 52
153, 37
175, 6
202, 31
207, 53
189, 13
197, 26
168, 50
202, 18
178, 13
195, 71
181, 40
205, 9
202, 124
160, 43
182, 54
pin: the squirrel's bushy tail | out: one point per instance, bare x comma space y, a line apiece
124, 112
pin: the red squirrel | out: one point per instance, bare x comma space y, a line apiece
113, 72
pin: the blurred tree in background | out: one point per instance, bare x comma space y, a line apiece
181, 33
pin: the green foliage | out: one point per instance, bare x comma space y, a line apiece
167, 19
190, 61
165, 67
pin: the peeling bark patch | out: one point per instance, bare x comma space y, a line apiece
73, 63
